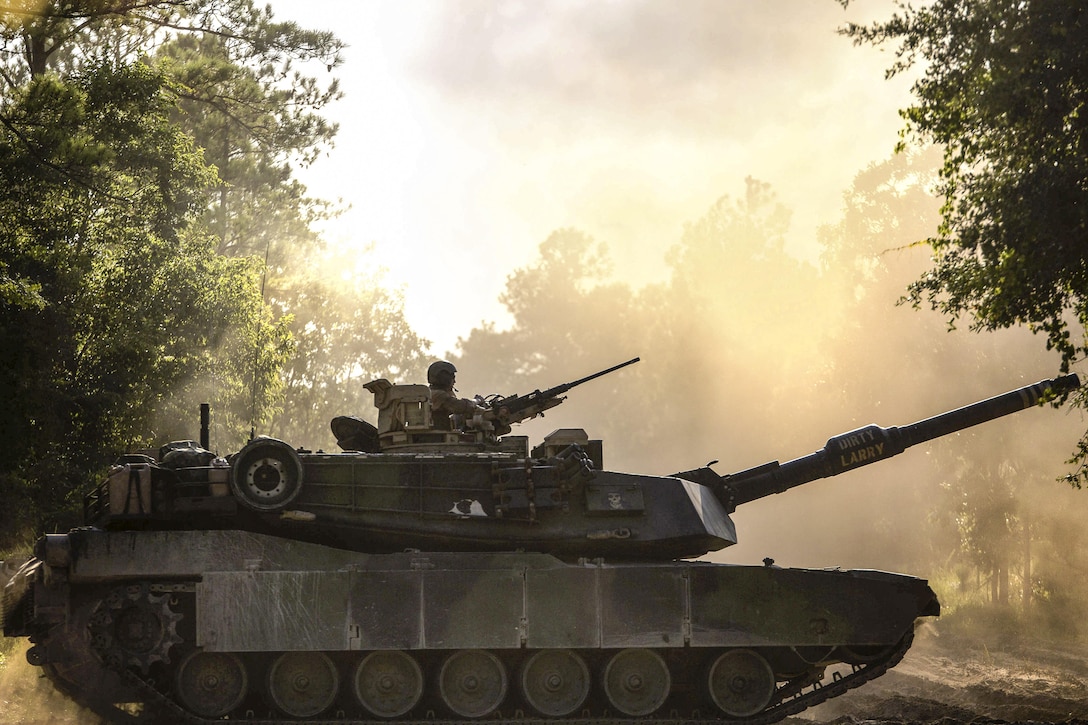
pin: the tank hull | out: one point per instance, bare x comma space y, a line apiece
175, 620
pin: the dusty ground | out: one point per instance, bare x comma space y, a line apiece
27, 698
954, 683
938, 682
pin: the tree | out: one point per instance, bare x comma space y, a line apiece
348, 329
732, 322
129, 308
1002, 90
568, 285
240, 94
168, 256
570, 320
746, 319
63, 35
256, 121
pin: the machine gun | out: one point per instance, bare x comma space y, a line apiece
870, 444
516, 408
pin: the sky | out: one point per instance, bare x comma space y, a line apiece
470, 130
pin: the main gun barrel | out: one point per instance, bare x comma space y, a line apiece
872, 443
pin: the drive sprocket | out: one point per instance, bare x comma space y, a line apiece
134, 627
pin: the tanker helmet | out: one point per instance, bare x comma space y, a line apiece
436, 373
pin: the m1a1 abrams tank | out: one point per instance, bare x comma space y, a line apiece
428, 574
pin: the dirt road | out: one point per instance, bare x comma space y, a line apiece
968, 682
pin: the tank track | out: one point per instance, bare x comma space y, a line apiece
162, 708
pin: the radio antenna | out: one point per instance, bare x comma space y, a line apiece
257, 346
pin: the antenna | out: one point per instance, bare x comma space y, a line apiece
257, 347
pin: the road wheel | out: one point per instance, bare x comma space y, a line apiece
555, 682
388, 684
637, 681
741, 683
303, 684
472, 683
211, 684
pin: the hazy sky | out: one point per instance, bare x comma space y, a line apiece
470, 130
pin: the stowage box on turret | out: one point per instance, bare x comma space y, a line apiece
433, 572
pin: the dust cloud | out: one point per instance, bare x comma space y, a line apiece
470, 131
28, 698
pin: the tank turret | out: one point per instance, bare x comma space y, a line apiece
416, 485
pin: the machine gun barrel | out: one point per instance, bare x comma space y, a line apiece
519, 407
560, 389
872, 443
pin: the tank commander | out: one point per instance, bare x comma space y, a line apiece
441, 376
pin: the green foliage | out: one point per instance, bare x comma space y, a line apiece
62, 35
972, 623
131, 305
1002, 91
971, 620
348, 329
155, 250
253, 122
242, 92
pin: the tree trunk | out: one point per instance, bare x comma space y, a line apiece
1003, 583
36, 54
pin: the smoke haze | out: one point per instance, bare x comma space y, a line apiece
470, 131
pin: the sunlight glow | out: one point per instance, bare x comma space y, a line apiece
470, 131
